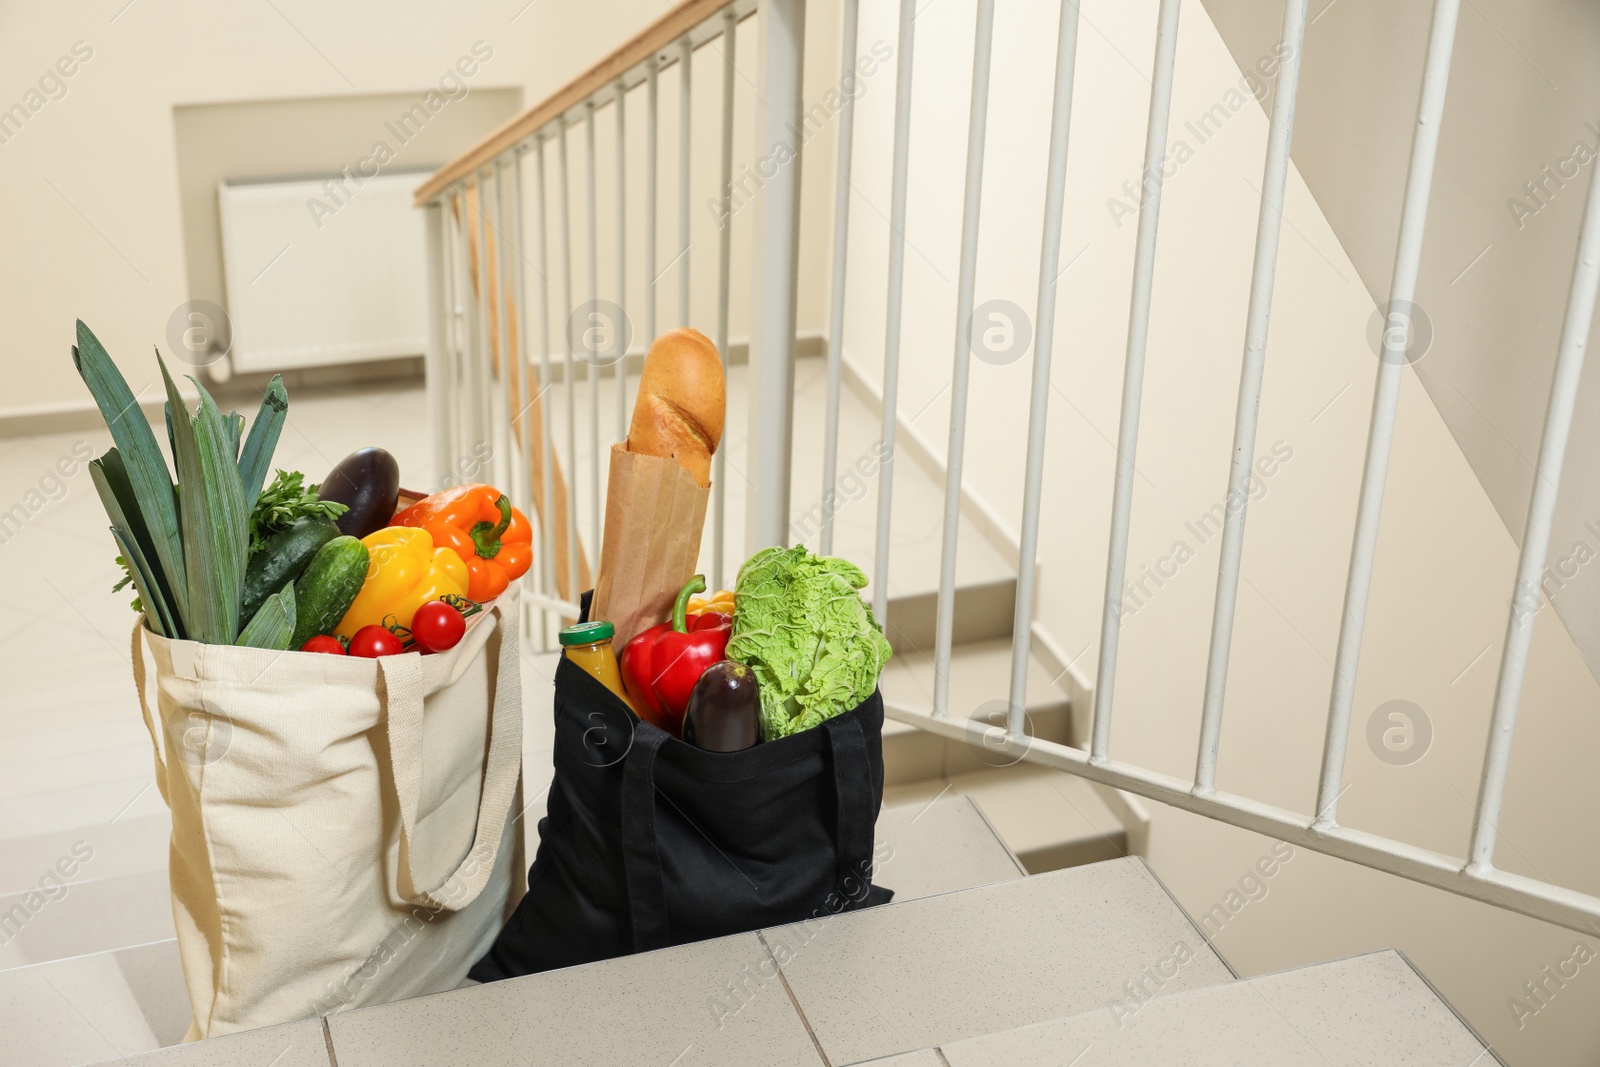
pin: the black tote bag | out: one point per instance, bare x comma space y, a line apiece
650, 841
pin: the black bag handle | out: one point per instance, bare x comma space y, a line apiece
641, 858
857, 806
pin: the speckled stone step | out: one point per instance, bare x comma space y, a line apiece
945, 968
980, 679
301, 1044
1050, 819
79, 854
926, 850
1364, 1010
106, 1005
62, 920
847, 987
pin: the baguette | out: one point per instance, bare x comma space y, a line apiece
682, 402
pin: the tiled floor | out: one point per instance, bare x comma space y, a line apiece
1371, 1009
827, 991
92, 1008
933, 848
987, 959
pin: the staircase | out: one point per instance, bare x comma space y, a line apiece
1092, 965
1005, 966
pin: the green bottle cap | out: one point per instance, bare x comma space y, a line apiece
587, 633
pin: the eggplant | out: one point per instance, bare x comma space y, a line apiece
367, 481
724, 709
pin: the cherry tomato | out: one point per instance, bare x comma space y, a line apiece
437, 627
374, 641
326, 644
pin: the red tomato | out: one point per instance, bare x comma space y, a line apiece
326, 644
437, 627
374, 641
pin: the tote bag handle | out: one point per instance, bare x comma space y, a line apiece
404, 693
144, 708
641, 856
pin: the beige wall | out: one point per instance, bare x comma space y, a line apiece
100, 205
215, 142
1524, 95
1445, 561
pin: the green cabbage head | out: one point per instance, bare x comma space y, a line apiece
814, 644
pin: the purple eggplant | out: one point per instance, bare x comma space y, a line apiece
724, 710
368, 482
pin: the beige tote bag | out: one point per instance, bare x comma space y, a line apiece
342, 828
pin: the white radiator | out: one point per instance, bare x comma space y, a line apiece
318, 272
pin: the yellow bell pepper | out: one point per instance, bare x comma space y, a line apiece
720, 602
405, 572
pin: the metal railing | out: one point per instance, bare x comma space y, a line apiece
479, 365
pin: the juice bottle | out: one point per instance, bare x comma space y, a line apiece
588, 644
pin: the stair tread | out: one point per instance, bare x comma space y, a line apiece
127, 846
1125, 920
980, 679
95, 1007
980, 673
1367, 1009
986, 959
298, 1044
47, 762
62, 921
1049, 818
93, 804
571, 1016
940, 847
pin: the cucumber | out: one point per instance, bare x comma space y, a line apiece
327, 587
281, 558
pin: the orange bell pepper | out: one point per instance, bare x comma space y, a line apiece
477, 523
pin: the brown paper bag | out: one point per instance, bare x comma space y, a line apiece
655, 513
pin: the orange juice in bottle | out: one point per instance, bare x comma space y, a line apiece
588, 644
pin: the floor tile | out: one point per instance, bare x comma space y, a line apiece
940, 847
989, 959
60, 921
298, 1044
92, 1008
1352, 1013
127, 846
680, 1006
63, 769
86, 805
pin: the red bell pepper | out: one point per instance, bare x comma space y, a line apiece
661, 665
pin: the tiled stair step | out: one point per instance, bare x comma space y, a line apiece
96, 695
84, 853
1364, 1010
980, 679
984, 611
108, 802
88, 889
1050, 819
104, 1006
53, 922
909, 975
925, 850
80, 756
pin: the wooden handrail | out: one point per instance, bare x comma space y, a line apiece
683, 18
